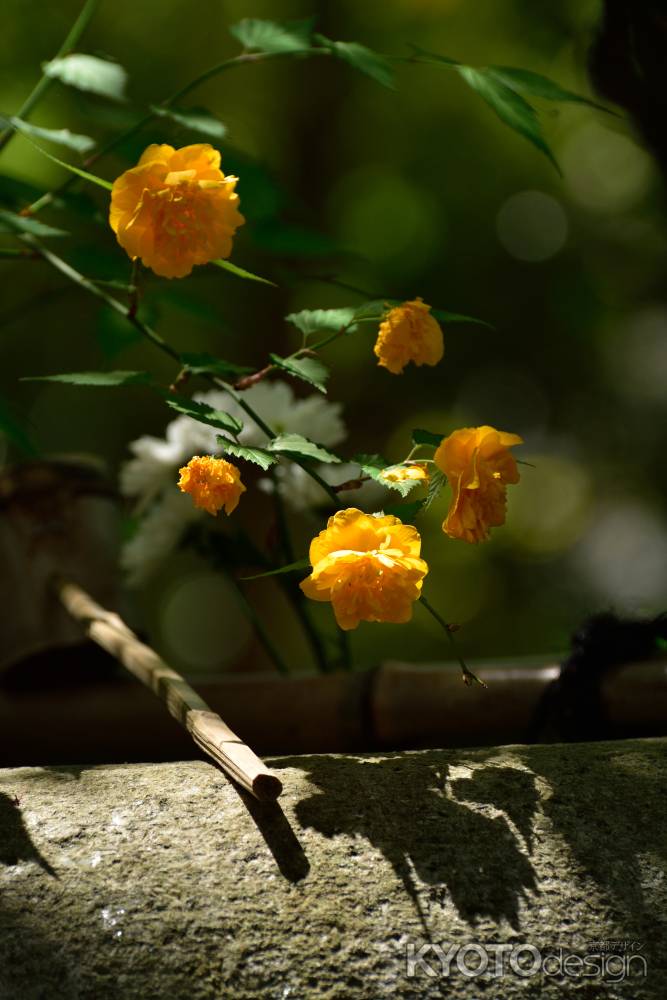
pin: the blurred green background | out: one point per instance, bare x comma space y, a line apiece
421, 191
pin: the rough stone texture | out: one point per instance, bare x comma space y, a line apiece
163, 881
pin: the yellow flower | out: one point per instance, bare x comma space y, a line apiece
212, 483
175, 209
416, 472
478, 464
368, 567
408, 333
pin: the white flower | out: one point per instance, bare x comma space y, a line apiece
301, 492
158, 534
150, 476
313, 417
156, 459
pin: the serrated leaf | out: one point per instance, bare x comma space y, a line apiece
61, 136
207, 364
12, 223
240, 272
512, 109
310, 370
258, 456
436, 483
402, 486
361, 58
204, 413
14, 123
449, 317
196, 119
294, 567
371, 465
527, 82
273, 36
373, 310
310, 321
420, 436
95, 379
406, 512
97, 76
296, 446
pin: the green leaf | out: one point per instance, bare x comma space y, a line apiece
406, 512
371, 465
207, 364
97, 76
373, 310
273, 36
296, 446
61, 136
12, 427
204, 413
196, 119
365, 60
259, 456
97, 379
511, 107
310, 370
14, 123
294, 567
318, 320
227, 265
449, 317
12, 223
427, 437
436, 483
434, 58
403, 486
526, 82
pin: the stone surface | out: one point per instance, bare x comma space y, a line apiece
163, 881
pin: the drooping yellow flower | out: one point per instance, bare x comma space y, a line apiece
478, 464
409, 333
415, 472
175, 209
212, 483
368, 567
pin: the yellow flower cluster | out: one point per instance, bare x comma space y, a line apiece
409, 333
478, 465
368, 567
175, 209
213, 483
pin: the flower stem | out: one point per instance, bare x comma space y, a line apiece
73, 275
295, 596
258, 626
45, 81
468, 676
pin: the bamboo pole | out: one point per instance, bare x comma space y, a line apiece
207, 729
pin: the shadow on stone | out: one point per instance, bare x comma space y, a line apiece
16, 844
508, 789
406, 807
279, 836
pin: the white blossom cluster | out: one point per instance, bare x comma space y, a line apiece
150, 477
